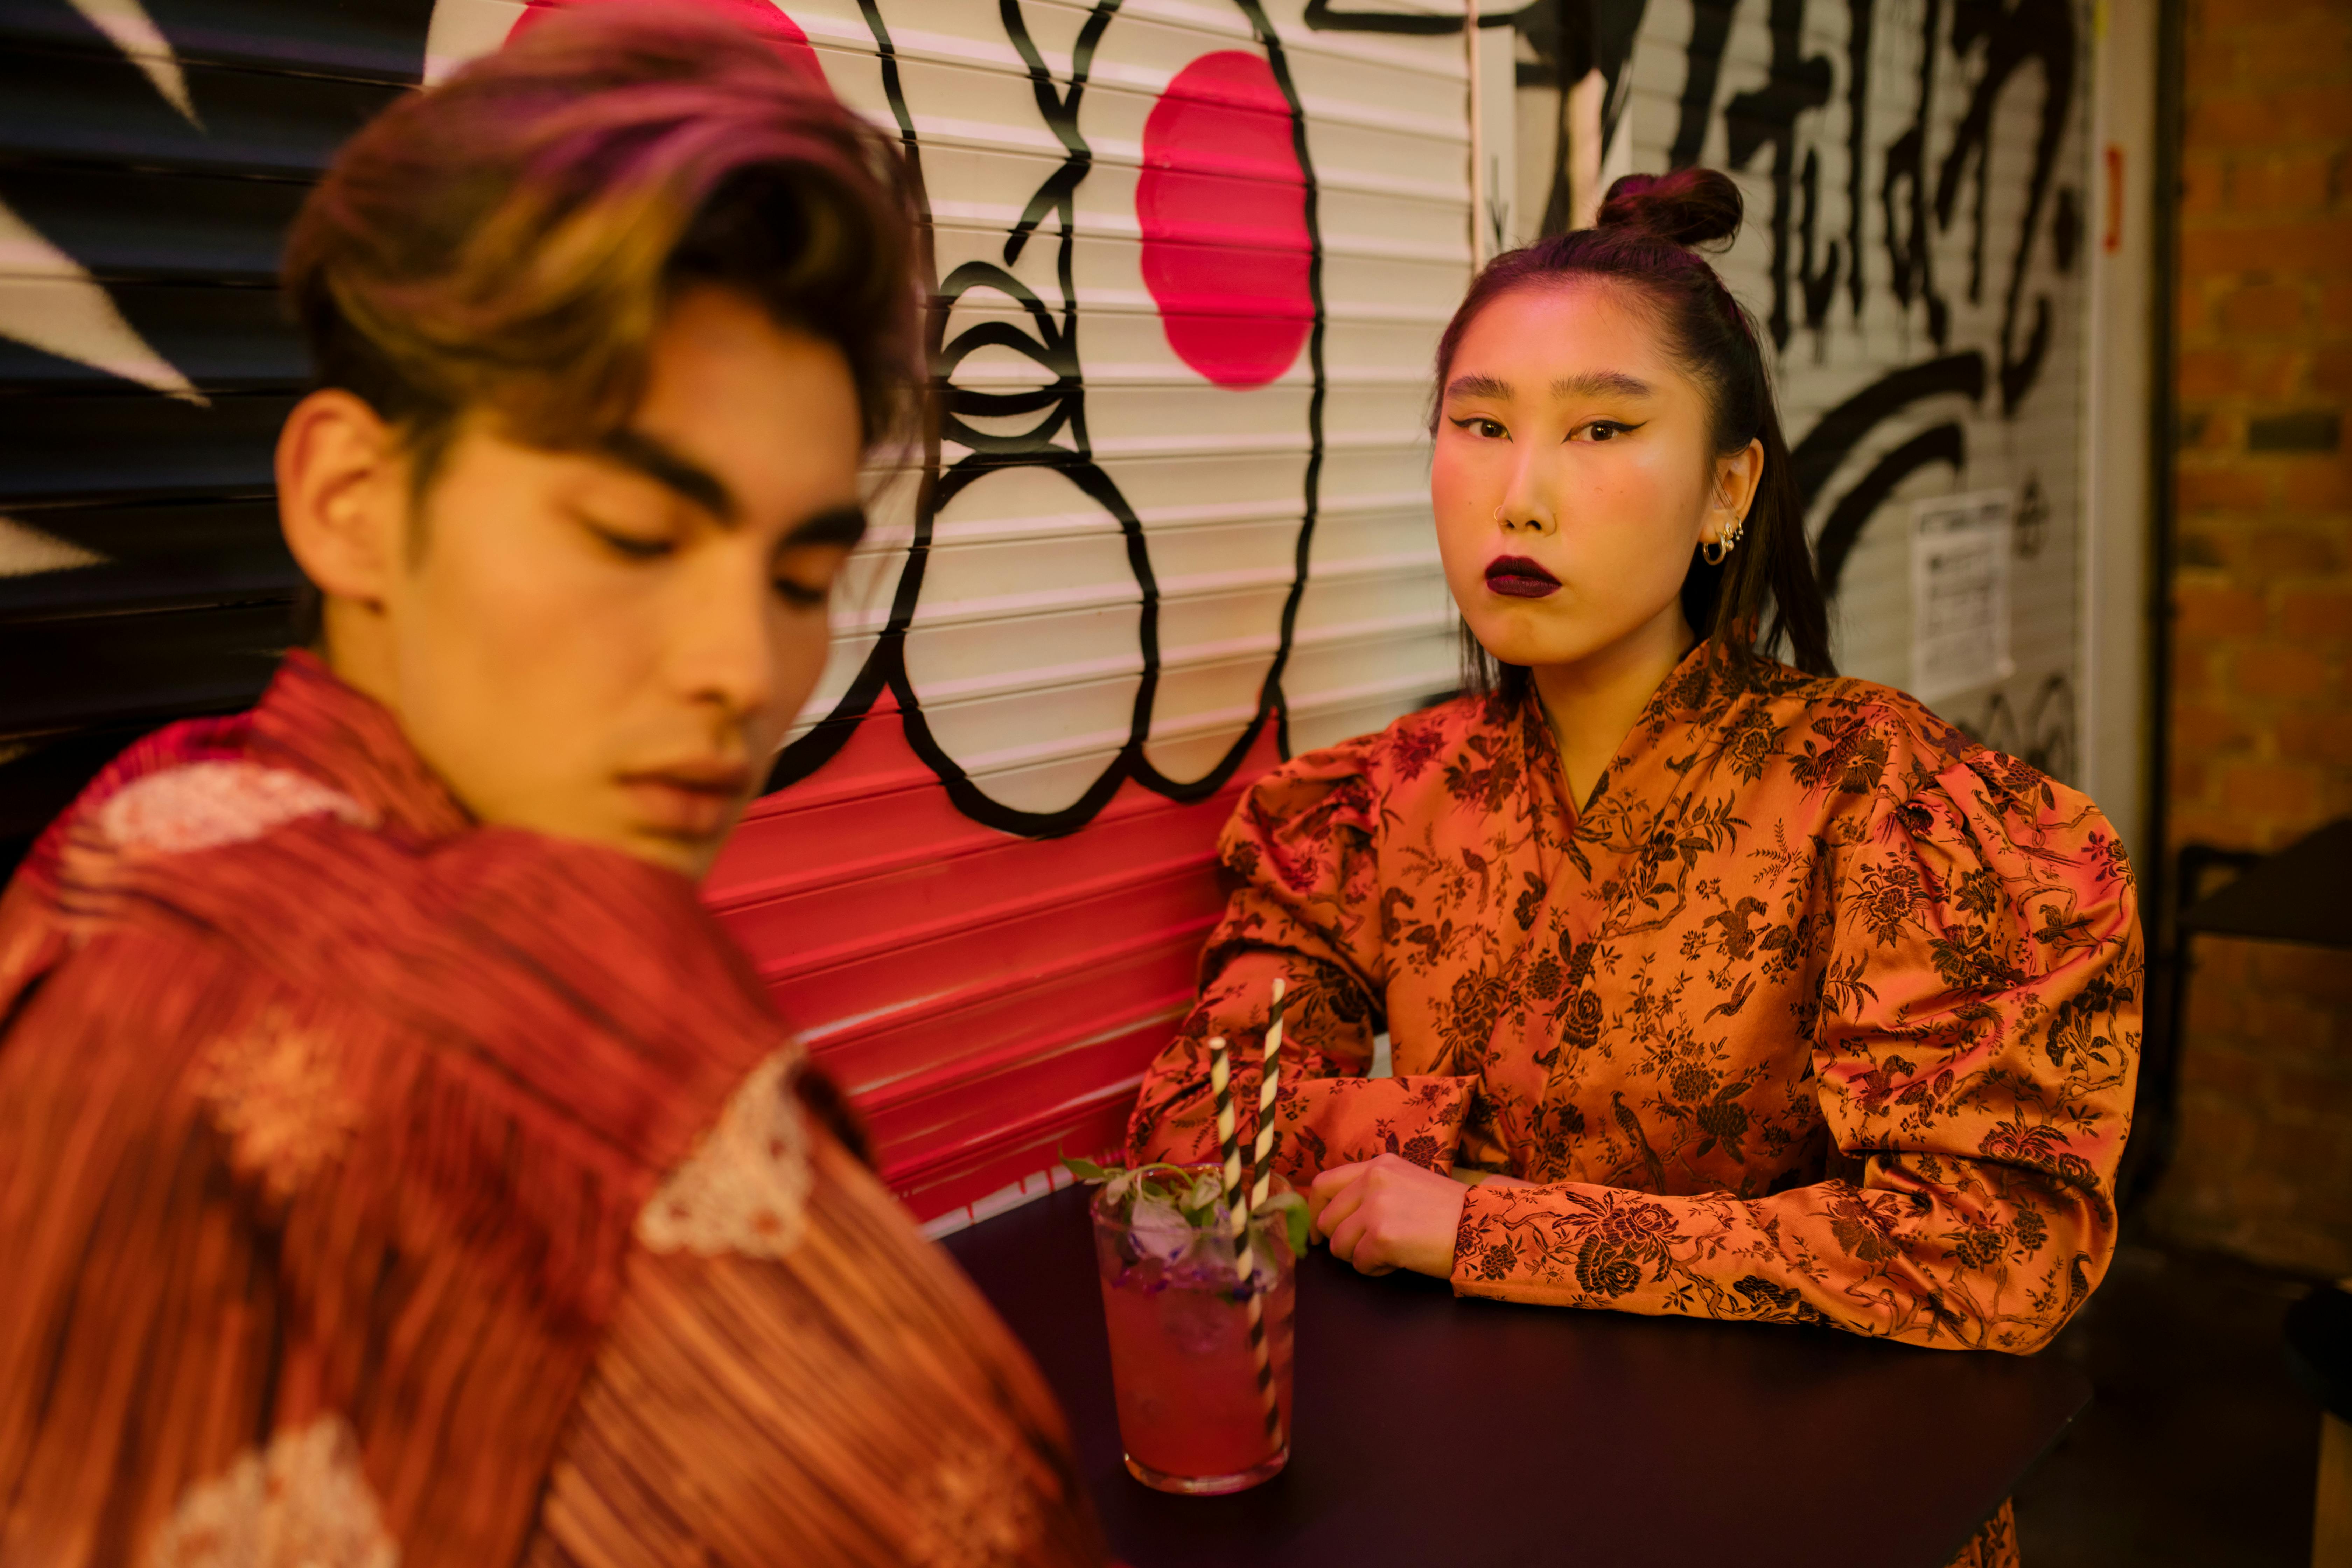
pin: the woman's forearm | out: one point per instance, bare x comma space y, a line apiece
1997, 1259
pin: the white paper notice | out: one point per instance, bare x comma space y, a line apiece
1960, 592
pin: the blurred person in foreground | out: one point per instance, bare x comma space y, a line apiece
396, 1163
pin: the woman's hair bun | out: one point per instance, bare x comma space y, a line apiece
1693, 206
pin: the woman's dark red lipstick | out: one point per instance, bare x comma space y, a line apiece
1519, 578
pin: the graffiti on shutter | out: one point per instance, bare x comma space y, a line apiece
1190, 258
1190, 261
1914, 172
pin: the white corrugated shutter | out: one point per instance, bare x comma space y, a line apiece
1191, 260
983, 884
1192, 257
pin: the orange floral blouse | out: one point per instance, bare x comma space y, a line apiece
1817, 1010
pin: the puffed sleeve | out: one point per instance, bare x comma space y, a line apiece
1301, 859
1975, 1052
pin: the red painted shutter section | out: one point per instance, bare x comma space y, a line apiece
988, 999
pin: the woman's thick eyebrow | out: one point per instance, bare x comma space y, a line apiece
1478, 386
1600, 383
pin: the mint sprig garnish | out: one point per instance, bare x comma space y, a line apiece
1292, 1207
1168, 1202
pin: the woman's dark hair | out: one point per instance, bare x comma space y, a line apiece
1645, 238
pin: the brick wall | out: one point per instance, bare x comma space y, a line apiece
2261, 695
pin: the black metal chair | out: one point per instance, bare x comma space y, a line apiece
2319, 1347
2300, 894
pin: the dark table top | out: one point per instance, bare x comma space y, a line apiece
2295, 895
1433, 1430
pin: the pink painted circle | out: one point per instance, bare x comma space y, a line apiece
755, 15
1222, 204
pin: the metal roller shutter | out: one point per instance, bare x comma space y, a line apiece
1914, 173
1192, 256
1192, 259
151, 155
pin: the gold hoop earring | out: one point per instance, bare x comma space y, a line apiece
1719, 549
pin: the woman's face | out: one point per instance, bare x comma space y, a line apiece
1574, 476
608, 645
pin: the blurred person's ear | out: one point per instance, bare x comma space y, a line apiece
343, 476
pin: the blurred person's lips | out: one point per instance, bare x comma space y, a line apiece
690, 799
1519, 578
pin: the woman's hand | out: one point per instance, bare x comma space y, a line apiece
1388, 1213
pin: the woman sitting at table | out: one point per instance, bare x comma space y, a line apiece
1716, 986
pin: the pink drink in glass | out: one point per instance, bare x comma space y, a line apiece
1190, 1414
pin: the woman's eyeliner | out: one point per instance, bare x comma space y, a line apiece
1599, 429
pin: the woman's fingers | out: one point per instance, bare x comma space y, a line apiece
1328, 1186
1343, 1199
1355, 1242
1388, 1213
1393, 1214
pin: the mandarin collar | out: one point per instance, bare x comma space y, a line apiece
1650, 761
312, 719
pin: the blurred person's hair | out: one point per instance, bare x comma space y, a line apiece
1646, 240
509, 242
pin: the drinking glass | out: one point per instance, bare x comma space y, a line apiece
1192, 1410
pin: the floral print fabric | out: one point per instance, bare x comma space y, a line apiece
1817, 1011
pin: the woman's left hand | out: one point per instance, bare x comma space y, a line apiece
1388, 1213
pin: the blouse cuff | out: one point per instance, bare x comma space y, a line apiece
1488, 1260
1482, 1258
